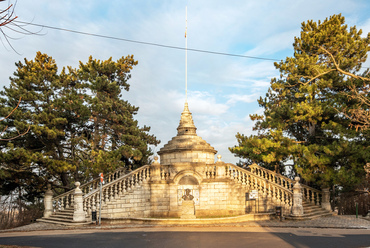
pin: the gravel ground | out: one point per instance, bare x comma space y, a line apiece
340, 221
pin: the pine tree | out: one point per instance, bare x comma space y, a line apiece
305, 106
80, 126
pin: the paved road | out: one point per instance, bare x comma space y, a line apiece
179, 237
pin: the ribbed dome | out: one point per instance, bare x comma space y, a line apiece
187, 146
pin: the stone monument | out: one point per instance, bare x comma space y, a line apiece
187, 208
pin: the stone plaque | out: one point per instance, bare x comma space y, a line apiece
188, 210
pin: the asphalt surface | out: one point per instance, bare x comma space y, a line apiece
333, 231
180, 237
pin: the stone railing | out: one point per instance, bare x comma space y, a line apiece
278, 191
66, 199
116, 188
309, 194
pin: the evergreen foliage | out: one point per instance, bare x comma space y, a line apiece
80, 126
303, 118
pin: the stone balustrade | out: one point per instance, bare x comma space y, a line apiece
116, 188
309, 194
268, 187
273, 189
66, 200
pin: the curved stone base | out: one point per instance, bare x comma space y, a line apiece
178, 221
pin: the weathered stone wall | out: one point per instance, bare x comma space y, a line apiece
135, 203
215, 194
188, 157
159, 199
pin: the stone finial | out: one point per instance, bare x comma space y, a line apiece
219, 158
77, 184
155, 162
297, 179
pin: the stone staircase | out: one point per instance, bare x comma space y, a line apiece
311, 211
64, 217
272, 187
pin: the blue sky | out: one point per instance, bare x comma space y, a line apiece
222, 90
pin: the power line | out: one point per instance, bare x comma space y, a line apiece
146, 43
149, 43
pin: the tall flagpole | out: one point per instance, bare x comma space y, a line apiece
186, 54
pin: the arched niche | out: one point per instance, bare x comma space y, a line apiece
188, 182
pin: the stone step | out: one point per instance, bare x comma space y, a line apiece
317, 210
65, 223
64, 213
62, 216
69, 210
54, 218
311, 211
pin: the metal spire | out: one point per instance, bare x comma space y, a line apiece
186, 54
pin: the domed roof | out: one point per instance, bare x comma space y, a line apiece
187, 138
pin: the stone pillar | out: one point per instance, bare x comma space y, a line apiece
79, 213
297, 209
187, 210
220, 168
325, 204
48, 202
155, 168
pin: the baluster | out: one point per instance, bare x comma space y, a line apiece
106, 194
260, 186
115, 191
111, 193
274, 193
255, 183
88, 207
243, 179
124, 186
62, 203
140, 176
286, 200
264, 189
135, 179
67, 201
269, 191
278, 196
129, 184
144, 175
239, 177
311, 197
119, 185
248, 181
93, 204
147, 174
72, 201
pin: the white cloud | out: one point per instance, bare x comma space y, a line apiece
216, 83
234, 98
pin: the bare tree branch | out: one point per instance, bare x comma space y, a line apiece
19, 134
8, 20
